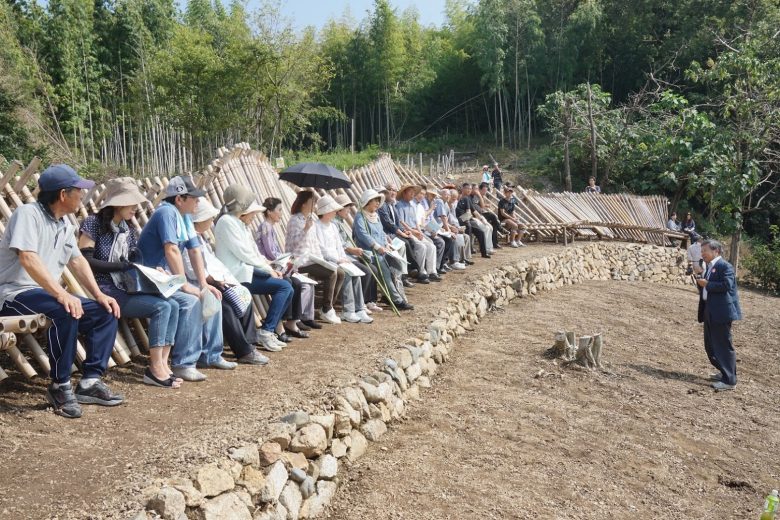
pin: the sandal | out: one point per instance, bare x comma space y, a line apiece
151, 380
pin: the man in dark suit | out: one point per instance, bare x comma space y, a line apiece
392, 227
718, 308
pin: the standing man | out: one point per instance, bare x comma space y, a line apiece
497, 179
164, 238
718, 308
37, 245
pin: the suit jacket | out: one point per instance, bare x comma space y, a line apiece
389, 224
722, 305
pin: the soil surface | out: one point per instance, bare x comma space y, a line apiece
506, 433
94, 466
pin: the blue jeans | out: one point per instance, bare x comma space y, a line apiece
188, 342
212, 339
281, 293
97, 325
163, 316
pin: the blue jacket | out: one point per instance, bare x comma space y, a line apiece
390, 223
722, 305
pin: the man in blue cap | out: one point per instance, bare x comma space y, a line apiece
37, 245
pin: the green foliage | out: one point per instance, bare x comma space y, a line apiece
763, 264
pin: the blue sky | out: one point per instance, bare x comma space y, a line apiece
317, 12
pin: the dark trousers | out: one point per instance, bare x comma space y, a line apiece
493, 221
368, 281
720, 350
239, 333
332, 280
295, 309
409, 256
97, 326
474, 230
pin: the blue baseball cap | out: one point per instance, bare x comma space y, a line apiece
61, 176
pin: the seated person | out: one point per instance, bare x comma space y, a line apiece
108, 242
463, 240
299, 317
37, 245
237, 250
453, 233
355, 253
167, 234
480, 203
469, 217
238, 317
673, 224
689, 225
354, 308
301, 241
506, 208
369, 236
443, 242
423, 249
392, 228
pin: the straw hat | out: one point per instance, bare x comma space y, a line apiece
343, 201
122, 191
326, 204
204, 211
369, 195
241, 201
416, 187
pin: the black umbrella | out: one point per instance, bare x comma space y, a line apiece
315, 175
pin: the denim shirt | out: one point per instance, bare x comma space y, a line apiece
368, 239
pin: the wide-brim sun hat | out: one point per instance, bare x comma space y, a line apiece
240, 200
326, 204
121, 192
416, 187
369, 195
343, 201
204, 211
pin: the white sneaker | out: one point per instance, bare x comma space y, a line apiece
330, 317
350, 317
268, 341
514, 244
520, 244
458, 266
364, 317
372, 306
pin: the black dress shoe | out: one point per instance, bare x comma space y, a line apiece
435, 278
407, 283
423, 279
403, 306
301, 326
284, 337
496, 246
485, 256
296, 333
311, 324
468, 262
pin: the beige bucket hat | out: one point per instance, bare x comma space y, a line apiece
204, 211
241, 201
326, 204
369, 195
122, 191
343, 201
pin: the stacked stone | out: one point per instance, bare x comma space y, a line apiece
294, 472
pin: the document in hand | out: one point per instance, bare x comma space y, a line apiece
304, 279
432, 226
350, 269
145, 280
466, 216
324, 263
395, 260
397, 243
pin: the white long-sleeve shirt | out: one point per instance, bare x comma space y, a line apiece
331, 245
236, 248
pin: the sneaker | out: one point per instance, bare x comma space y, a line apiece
309, 324
434, 278
330, 317
403, 306
406, 283
520, 244
468, 262
189, 374
364, 317
457, 266
445, 268
350, 317
720, 386
267, 341
513, 244
221, 363
372, 306
253, 358
63, 401
423, 279
715, 376
98, 393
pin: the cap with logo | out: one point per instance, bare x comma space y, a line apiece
181, 185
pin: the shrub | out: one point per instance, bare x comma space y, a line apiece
764, 264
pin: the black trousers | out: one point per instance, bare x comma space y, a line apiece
493, 221
239, 333
368, 282
720, 349
474, 230
294, 310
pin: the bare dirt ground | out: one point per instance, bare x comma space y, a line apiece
647, 438
91, 467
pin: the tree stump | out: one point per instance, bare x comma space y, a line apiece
584, 351
563, 348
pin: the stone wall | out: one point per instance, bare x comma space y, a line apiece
294, 470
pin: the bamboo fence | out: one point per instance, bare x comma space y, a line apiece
548, 216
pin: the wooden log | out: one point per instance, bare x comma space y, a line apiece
19, 324
40, 357
3, 374
584, 354
8, 343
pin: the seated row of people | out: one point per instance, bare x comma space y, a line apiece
214, 306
